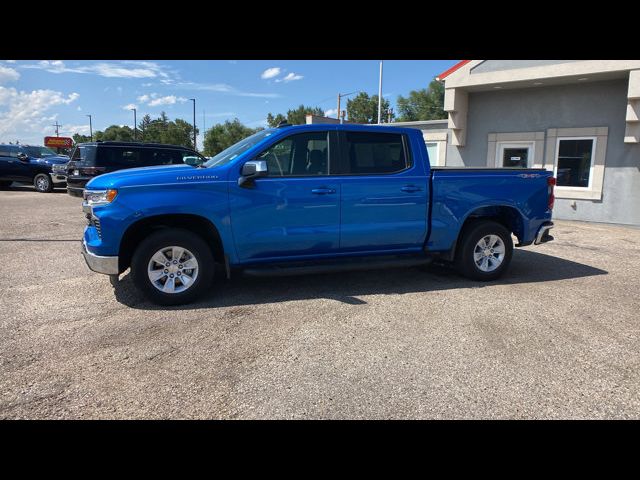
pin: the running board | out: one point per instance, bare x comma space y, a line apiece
350, 265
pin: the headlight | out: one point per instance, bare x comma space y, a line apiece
99, 197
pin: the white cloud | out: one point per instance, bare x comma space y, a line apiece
79, 109
290, 78
331, 112
155, 100
168, 100
8, 74
70, 130
127, 69
10, 61
23, 114
129, 106
223, 88
271, 73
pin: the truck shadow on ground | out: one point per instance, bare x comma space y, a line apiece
346, 287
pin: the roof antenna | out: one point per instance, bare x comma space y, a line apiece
283, 123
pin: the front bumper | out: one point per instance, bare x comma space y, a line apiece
99, 264
58, 179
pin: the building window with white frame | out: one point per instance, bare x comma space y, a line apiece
574, 161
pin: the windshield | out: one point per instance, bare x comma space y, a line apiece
39, 152
239, 148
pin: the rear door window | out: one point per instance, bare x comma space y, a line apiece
367, 153
85, 154
121, 157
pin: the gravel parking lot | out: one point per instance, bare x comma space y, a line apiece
557, 337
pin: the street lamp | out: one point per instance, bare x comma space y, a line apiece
135, 125
90, 128
194, 123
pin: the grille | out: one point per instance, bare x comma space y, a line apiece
95, 222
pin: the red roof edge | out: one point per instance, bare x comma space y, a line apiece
446, 73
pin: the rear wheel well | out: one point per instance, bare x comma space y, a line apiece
509, 217
145, 227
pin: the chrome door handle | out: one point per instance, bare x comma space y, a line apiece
323, 191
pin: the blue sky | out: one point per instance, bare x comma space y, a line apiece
35, 94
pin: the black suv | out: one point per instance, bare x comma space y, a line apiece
91, 159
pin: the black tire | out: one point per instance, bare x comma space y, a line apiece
166, 238
43, 183
5, 184
465, 262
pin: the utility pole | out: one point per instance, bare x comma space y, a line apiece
57, 125
90, 128
380, 96
338, 114
135, 126
194, 124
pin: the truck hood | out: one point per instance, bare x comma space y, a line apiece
151, 176
53, 160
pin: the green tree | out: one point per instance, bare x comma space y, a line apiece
143, 126
115, 133
296, 116
364, 109
163, 130
275, 120
77, 138
424, 104
223, 135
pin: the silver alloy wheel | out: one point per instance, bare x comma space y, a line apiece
489, 253
42, 183
172, 269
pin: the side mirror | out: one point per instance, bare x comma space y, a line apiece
193, 161
23, 157
252, 170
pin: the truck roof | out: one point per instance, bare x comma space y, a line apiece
359, 127
111, 143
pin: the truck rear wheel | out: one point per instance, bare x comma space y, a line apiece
172, 266
485, 251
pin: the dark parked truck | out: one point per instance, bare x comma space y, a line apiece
309, 199
30, 164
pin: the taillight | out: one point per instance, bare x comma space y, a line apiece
551, 182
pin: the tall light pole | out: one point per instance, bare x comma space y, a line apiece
380, 96
90, 128
194, 123
135, 125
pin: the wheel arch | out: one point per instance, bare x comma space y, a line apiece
506, 215
139, 230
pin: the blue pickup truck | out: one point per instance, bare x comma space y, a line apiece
309, 199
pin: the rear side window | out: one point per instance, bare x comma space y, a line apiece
372, 152
5, 151
172, 157
84, 154
120, 157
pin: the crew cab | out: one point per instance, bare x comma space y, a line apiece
308, 199
30, 164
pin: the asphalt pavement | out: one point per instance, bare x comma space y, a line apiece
556, 337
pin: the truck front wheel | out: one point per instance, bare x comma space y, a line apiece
172, 266
43, 183
485, 251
